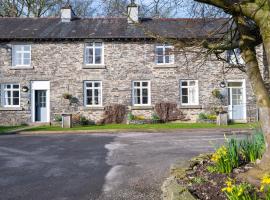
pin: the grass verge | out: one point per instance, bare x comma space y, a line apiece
6, 129
143, 126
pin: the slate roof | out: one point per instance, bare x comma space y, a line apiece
105, 28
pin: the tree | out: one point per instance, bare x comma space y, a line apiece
41, 8
251, 27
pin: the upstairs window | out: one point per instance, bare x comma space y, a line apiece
189, 92
21, 55
141, 93
93, 93
164, 54
234, 57
94, 53
10, 95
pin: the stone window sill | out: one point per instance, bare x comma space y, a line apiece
141, 107
94, 108
190, 107
165, 66
11, 109
21, 68
94, 66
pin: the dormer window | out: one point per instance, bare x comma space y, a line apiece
94, 53
234, 57
21, 55
164, 54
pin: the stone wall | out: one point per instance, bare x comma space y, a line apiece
61, 63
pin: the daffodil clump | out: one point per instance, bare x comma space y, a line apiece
238, 192
265, 186
221, 152
224, 159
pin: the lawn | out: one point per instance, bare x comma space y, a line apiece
5, 129
143, 126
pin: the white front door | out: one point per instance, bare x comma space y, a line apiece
40, 102
237, 100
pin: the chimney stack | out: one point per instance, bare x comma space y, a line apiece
133, 12
67, 13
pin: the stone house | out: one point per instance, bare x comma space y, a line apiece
104, 61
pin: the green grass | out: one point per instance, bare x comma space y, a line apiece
5, 129
141, 127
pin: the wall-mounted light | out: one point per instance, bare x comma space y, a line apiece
25, 89
222, 84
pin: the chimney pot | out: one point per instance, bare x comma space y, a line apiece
67, 13
133, 12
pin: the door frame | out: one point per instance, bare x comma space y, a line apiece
243, 81
40, 85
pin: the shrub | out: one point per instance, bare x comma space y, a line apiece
202, 116
167, 111
211, 117
114, 114
139, 117
155, 117
130, 116
242, 191
252, 148
57, 118
84, 121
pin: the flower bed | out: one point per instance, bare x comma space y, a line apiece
215, 176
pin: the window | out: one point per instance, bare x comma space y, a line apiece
234, 57
21, 55
93, 93
164, 54
94, 53
189, 92
10, 95
141, 93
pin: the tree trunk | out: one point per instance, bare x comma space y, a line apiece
265, 106
263, 102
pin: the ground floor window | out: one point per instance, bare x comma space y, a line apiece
93, 93
141, 93
10, 95
189, 92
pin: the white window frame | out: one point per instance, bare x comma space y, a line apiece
234, 57
171, 56
87, 47
189, 87
3, 95
14, 53
141, 88
93, 93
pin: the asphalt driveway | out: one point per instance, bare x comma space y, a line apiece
125, 166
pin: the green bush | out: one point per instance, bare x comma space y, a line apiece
84, 121
155, 117
130, 116
58, 118
202, 116
211, 117
253, 147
